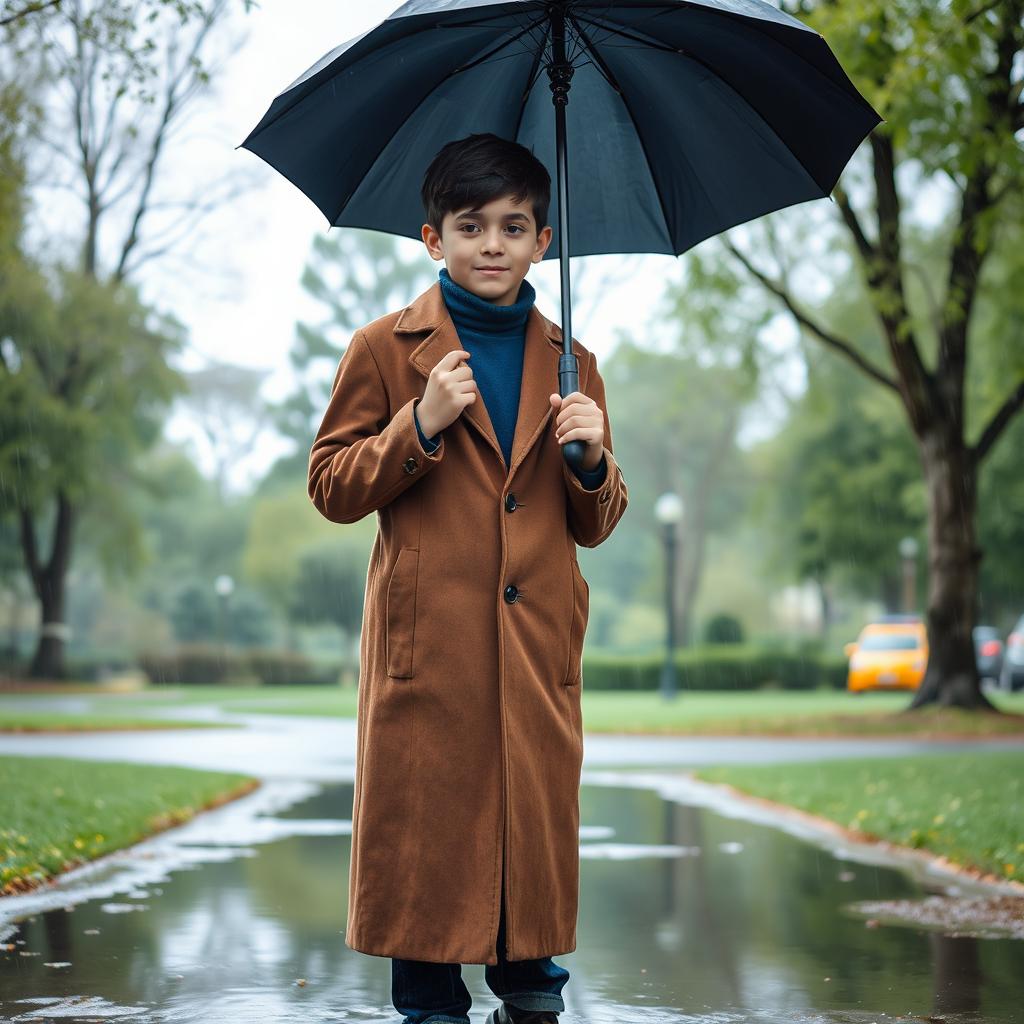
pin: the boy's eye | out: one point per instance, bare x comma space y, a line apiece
518, 227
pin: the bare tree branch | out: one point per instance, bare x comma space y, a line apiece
1005, 413
864, 246
32, 8
883, 274
182, 83
830, 339
196, 210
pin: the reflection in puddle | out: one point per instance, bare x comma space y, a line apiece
686, 915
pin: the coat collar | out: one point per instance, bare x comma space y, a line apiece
542, 347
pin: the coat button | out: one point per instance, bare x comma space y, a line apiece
604, 497
511, 593
510, 503
410, 465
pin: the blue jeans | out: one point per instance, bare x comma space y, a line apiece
432, 992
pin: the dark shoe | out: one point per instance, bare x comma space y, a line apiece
506, 1014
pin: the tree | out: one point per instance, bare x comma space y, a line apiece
945, 78
357, 275
846, 487
114, 79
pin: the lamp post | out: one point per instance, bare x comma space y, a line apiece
668, 510
908, 554
224, 585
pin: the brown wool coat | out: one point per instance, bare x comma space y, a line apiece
470, 736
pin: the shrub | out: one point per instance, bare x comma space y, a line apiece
193, 664
723, 629
283, 668
731, 668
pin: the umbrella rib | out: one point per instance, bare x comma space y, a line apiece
744, 99
420, 103
599, 61
597, 12
755, 24
640, 139
653, 44
531, 81
500, 46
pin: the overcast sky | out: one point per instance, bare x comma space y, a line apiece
238, 290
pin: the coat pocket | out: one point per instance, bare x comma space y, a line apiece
580, 614
400, 613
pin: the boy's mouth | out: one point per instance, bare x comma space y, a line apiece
492, 271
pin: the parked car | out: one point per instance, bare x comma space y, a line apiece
1011, 678
890, 654
988, 652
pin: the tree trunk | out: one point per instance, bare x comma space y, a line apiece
825, 603
951, 679
49, 582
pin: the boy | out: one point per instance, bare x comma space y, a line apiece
442, 420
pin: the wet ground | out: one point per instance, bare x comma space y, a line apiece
692, 907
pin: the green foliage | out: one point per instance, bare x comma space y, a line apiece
330, 586
723, 628
847, 483
1001, 530
84, 385
356, 276
127, 36
200, 615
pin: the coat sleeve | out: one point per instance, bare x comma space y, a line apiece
361, 460
594, 513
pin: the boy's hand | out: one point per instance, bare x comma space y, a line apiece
580, 418
450, 388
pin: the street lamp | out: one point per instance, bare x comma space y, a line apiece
908, 553
668, 510
224, 585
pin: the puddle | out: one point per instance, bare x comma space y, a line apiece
688, 913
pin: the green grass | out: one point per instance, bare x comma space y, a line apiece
12, 720
967, 807
58, 812
693, 713
802, 713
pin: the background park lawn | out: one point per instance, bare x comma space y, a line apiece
694, 712
808, 713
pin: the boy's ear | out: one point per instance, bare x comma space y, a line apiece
432, 240
543, 241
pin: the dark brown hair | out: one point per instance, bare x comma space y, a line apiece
479, 169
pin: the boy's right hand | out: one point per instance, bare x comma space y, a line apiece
450, 388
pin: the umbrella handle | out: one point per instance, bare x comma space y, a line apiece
568, 382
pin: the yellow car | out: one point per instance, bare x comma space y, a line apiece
891, 654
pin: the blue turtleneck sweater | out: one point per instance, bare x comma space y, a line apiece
495, 335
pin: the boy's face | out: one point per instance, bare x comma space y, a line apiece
500, 234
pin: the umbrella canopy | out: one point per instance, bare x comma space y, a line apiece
685, 117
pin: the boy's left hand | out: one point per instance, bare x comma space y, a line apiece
580, 418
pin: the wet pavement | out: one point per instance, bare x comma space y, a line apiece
269, 745
693, 906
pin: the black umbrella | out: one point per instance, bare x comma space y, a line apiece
687, 118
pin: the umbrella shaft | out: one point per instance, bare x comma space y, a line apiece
560, 74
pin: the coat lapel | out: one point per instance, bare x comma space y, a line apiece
541, 349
